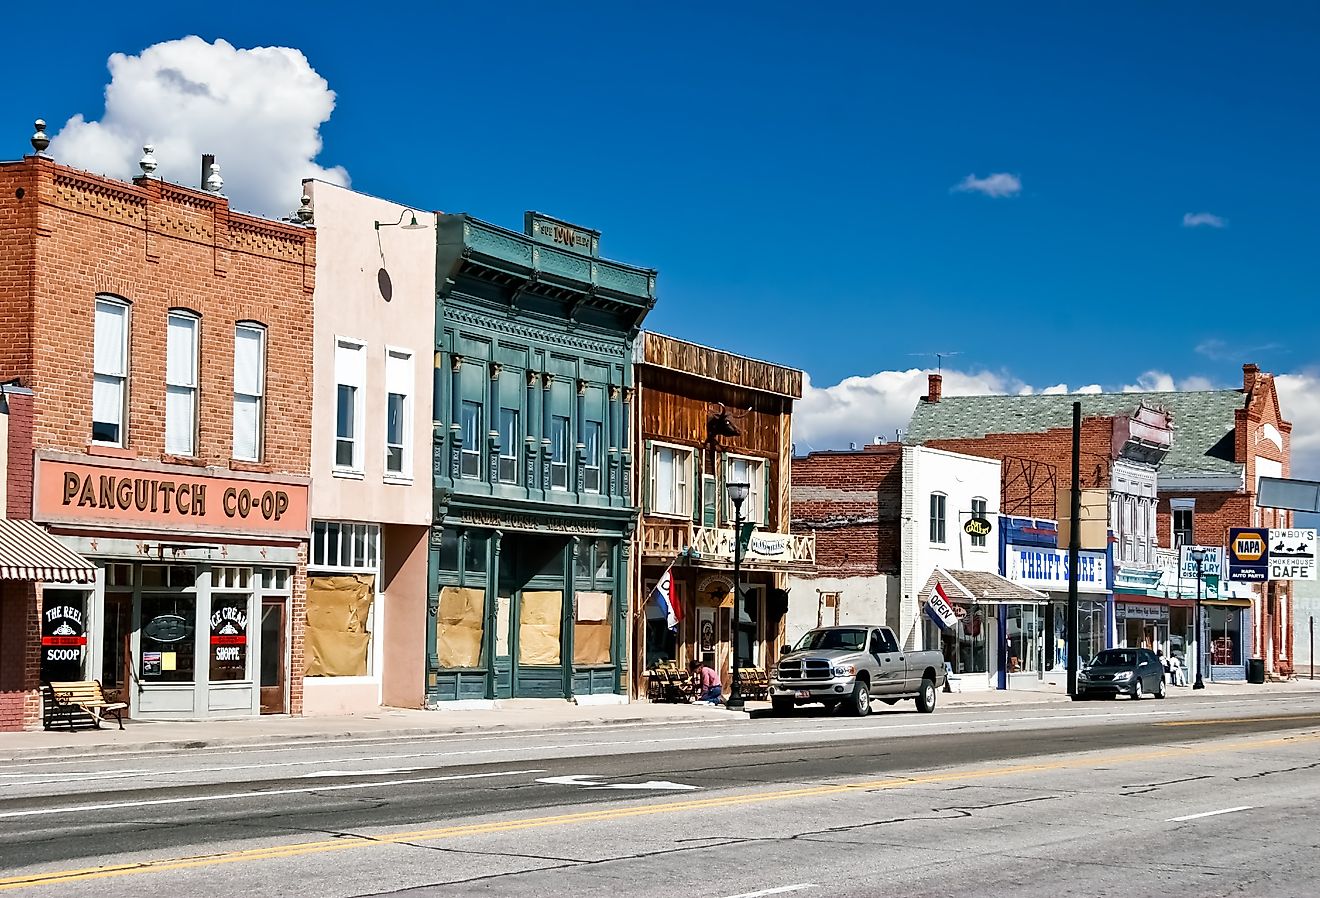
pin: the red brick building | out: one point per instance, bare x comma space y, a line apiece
1209, 449
165, 340
852, 501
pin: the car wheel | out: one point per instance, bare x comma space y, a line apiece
1161, 690
926, 697
781, 705
860, 703
1137, 692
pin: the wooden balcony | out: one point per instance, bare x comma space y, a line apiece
713, 546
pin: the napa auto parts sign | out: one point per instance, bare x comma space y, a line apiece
1248, 554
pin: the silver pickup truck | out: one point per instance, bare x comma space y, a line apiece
851, 666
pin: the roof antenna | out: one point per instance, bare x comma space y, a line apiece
939, 357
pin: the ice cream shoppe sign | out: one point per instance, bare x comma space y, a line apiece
166, 498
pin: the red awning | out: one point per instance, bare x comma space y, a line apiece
28, 552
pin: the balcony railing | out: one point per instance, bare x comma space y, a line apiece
715, 544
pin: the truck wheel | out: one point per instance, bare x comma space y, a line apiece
781, 705
860, 703
926, 697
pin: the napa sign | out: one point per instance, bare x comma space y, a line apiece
1047, 569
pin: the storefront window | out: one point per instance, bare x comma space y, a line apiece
168, 637
1090, 632
229, 637
748, 623
1225, 625
964, 644
63, 634
661, 642
474, 554
1025, 626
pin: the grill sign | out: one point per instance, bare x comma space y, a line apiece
1248, 555
168, 628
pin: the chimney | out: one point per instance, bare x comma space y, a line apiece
935, 388
1250, 374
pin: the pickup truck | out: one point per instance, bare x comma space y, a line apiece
850, 666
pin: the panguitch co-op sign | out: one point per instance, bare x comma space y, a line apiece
77, 492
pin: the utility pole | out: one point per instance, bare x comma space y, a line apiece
1074, 546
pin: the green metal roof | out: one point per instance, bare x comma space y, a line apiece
1203, 421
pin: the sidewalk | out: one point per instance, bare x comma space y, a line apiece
512, 717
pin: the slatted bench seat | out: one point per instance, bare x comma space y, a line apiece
75, 701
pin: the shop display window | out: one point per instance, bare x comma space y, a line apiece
229, 636
169, 637
63, 634
1225, 626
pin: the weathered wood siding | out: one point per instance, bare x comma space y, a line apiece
717, 365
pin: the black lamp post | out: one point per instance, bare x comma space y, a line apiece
1198, 555
737, 495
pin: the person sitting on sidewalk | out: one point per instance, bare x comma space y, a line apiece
1177, 673
708, 682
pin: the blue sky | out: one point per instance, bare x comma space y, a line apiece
791, 173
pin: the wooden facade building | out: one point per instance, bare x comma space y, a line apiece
705, 418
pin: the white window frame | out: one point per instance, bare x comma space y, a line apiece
119, 375
399, 379
186, 385
349, 561
561, 469
259, 397
596, 463
1175, 506
471, 449
681, 494
939, 535
754, 511
980, 541
509, 443
357, 379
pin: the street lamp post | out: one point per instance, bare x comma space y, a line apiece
737, 495
1198, 556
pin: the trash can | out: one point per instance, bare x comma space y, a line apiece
1255, 670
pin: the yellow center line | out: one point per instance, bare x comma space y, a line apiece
301, 849
1222, 720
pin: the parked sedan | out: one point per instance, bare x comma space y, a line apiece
1132, 672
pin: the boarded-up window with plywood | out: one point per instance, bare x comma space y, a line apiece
539, 618
337, 639
591, 629
460, 626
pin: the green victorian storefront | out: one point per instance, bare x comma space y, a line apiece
528, 587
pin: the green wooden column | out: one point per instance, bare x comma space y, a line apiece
622, 630
569, 612
492, 611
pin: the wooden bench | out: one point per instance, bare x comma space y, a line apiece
74, 700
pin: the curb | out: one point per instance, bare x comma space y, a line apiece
273, 739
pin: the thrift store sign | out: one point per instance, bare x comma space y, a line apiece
1047, 569
85, 493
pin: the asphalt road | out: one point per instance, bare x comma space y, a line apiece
1192, 796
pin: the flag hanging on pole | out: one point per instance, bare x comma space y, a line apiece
663, 595
940, 609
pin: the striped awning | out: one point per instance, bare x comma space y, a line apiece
27, 552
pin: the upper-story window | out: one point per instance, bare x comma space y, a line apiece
978, 511
938, 514
470, 457
591, 470
350, 384
249, 390
181, 383
509, 437
750, 471
670, 477
1184, 531
398, 413
110, 372
560, 450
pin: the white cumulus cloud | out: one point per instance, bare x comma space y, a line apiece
999, 184
259, 110
1204, 220
1299, 401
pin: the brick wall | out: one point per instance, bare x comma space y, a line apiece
20, 662
1037, 466
159, 247
853, 502
67, 236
